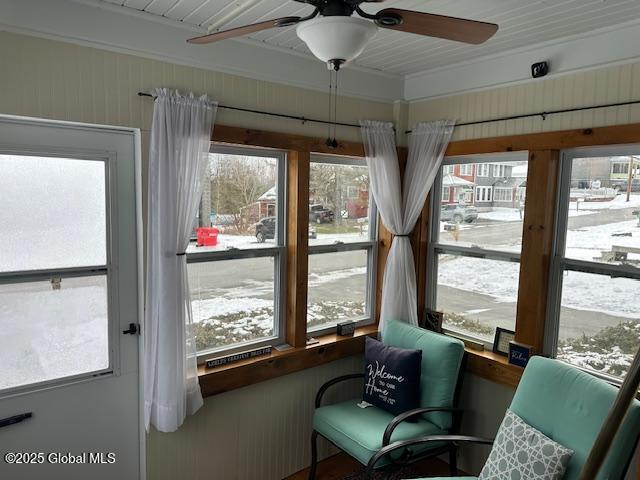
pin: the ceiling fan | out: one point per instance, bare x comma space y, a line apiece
335, 36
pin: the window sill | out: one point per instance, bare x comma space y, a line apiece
493, 367
247, 372
486, 364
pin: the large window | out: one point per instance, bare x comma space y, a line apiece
237, 253
595, 301
466, 169
483, 194
484, 169
475, 243
502, 194
54, 269
342, 233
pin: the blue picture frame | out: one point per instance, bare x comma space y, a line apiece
519, 354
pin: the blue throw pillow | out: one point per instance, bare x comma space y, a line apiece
392, 377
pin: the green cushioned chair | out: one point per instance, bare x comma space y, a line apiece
569, 406
363, 432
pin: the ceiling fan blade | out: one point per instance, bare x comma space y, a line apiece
441, 26
245, 30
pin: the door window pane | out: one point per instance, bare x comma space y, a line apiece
477, 295
604, 211
599, 322
51, 330
338, 203
337, 287
239, 204
54, 209
230, 306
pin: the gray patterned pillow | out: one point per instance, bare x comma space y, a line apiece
520, 452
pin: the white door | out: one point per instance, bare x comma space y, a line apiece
69, 286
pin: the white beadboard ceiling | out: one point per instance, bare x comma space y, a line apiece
522, 23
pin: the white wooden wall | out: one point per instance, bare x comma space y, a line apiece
607, 85
50, 79
257, 432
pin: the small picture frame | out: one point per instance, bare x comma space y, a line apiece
501, 341
519, 353
433, 320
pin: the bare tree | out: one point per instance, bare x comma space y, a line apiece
237, 182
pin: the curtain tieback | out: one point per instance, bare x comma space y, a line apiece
181, 254
407, 235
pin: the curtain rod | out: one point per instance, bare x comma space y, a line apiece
281, 115
544, 114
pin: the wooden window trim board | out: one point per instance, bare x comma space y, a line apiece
297, 247
330, 348
538, 232
247, 372
557, 140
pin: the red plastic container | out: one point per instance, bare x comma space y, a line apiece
207, 236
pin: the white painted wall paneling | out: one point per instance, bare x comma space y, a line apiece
613, 84
257, 432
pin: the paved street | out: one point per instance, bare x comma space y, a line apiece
488, 234
332, 277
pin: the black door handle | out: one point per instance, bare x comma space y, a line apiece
5, 422
132, 330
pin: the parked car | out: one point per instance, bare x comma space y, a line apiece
622, 185
319, 214
457, 213
266, 229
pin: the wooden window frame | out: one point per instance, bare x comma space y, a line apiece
537, 243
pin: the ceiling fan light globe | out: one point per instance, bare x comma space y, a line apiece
336, 37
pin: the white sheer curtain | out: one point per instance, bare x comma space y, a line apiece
180, 136
399, 206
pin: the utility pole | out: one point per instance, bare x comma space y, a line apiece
630, 176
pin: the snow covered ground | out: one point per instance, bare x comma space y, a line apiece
588, 243
316, 279
618, 297
226, 241
206, 309
582, 291
617, 203
501, 214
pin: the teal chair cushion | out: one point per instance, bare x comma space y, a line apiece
569, 406
441, 360
358, 431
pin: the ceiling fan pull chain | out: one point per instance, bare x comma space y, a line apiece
335, 112
329, 102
